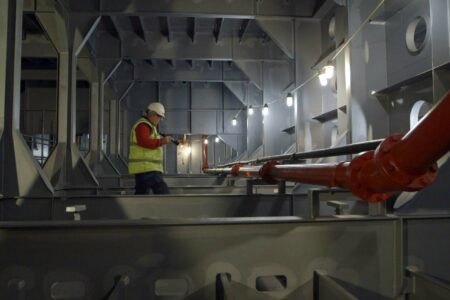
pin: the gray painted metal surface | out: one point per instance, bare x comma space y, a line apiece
20, 173
65, 167
148, 251
207, 61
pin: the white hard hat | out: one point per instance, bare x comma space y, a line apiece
157, 108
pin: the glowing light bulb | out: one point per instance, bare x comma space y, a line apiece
205, 141
328, 71
217, 139
250, 110
265, 110
289, 100
234, 121
323, 79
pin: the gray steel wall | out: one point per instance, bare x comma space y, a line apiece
378, 81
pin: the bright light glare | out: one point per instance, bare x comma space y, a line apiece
323, 79
187, 150
250, 110
217, 139
205, 141
329, 71
265, 110
234, 122
289, 100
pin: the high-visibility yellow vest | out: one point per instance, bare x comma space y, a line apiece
142, 159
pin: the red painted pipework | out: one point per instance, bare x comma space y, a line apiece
400, 163
204, 154
405, 163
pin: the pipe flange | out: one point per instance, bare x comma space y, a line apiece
357, 187
265, 171
386, 162
235, 170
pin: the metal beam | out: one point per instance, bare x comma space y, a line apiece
65, 167
20, 174
191, 26
253, 70
111, 73
88, 69
281, 32
281, 246
86, 36
38, 46
171, 63
125, 93
218, 23
114, 134
238, 89
243, 29
138, 26
164, 27
110, 23
190, 64
98, 161
201, 9
181, 48
199, 71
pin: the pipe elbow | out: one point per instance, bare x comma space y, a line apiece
235, 170
266, 172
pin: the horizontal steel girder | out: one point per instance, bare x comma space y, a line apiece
182, 48
188, 8
151, 206
147, 253
161, 71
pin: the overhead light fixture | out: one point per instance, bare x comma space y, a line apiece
323, 79
265, 110
329, 71
205, 141
289, 100
373, 92
217, 139
234, 121
250, 110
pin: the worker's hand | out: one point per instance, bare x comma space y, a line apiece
167, 139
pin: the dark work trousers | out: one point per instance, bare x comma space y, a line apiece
150, 181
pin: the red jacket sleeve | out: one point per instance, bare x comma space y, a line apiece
143, 132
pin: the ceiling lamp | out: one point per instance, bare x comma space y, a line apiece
329, 71
289, 100
265, 110
323, 79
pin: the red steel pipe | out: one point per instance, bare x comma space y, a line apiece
204, 153
400, 163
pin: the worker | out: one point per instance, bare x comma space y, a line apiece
145, 158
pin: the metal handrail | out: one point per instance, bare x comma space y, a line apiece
328, 152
